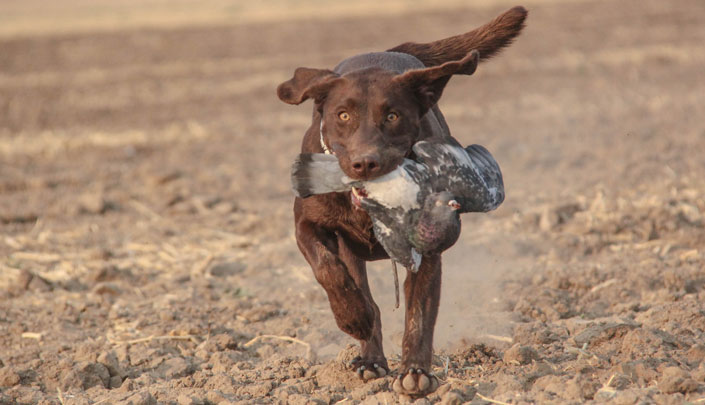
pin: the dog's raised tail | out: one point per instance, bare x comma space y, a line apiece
488, 39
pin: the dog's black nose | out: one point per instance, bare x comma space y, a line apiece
366, 166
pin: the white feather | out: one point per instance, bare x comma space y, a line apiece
395, 189
416, 257
383, 229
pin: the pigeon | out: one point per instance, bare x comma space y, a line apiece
414, 208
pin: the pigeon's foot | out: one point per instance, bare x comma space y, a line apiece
415, 382
368, 369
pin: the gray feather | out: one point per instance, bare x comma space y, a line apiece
317, 173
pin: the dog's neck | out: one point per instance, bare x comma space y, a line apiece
323, 144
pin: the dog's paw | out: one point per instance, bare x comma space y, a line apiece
369, 370
415, 382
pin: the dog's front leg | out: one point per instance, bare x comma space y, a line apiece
423, 292
344, 278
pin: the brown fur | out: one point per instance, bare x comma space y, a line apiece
389, 103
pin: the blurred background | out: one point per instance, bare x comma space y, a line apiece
144, 163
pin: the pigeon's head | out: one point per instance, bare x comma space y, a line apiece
443, 203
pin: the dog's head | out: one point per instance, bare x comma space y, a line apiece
370, 118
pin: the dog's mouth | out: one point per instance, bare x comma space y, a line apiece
357, 195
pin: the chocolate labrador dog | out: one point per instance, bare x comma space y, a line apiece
369, 111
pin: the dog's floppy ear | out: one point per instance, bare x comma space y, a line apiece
306, 83
428, 83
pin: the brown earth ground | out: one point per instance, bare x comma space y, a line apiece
147, 251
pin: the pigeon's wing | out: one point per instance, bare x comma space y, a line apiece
471, 174
317, 173
391, 230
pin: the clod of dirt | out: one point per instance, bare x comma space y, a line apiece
696, 354
640, 342
86, 375
581, 386
29, 281
224, 361
628, 397
674, 380
110, 361
337, 374
93, 202
537, 333
594, 335
176, 367
107, 289
257, 390
219, 342
8, 377
108, 273
520, 354
452, 398
640, 371
189, 400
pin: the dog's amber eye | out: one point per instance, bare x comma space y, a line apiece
391, 117
344, 116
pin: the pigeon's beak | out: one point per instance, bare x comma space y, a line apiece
454, 205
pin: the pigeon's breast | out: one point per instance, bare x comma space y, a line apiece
396, 189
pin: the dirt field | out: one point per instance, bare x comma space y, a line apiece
146, 238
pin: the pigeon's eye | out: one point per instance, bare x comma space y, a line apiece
392, 116
344, 116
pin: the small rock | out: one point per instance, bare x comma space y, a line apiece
520, 354
115, 382
690, 214
92, 202
8, 377
226, 269
140, 398
107, 289
548, 219
675, 380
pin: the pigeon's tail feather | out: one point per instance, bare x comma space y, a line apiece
317, 173
490, 172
